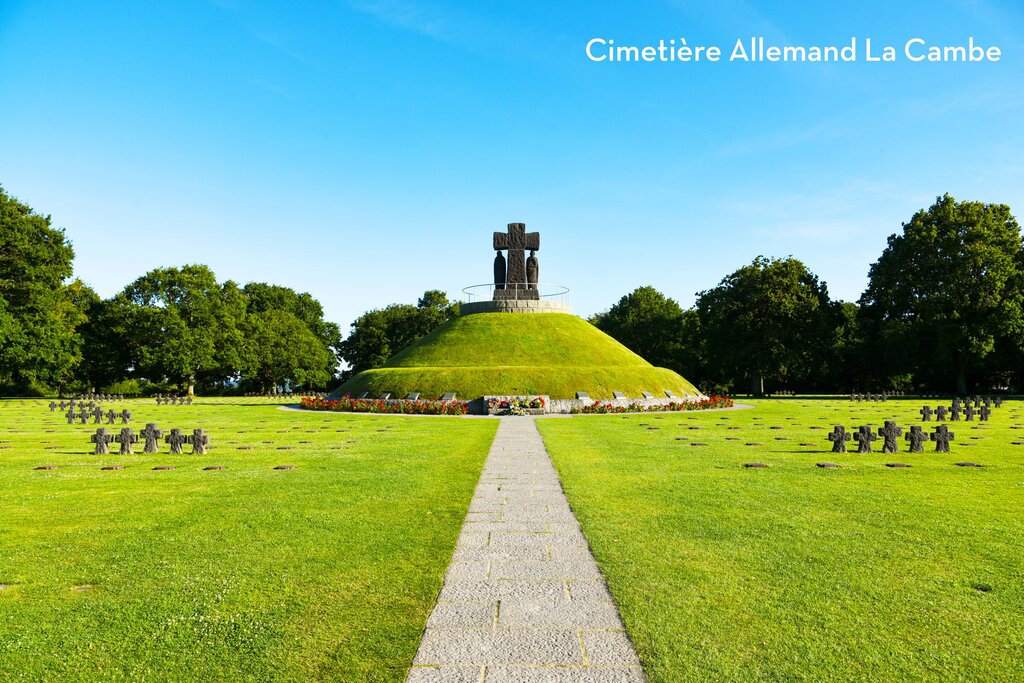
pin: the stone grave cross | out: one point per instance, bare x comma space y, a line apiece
176, 439
891, 433
838, 437
864, 437
152, 434
917, 437
199, 441
126, 438
102, 439
942, 436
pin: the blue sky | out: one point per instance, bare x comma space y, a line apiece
364, 151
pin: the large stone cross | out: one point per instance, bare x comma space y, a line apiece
516, 241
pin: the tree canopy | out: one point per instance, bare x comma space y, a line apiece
379, 334
38, 312
766, 320
946, 290
648, 323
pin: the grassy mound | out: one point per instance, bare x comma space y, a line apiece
555, 354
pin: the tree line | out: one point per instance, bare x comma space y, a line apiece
173, 329
943, 311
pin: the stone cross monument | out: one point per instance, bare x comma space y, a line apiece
517, 241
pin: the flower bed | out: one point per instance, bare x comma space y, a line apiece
515, 406
709, 403
347, 404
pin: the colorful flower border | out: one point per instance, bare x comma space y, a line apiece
347, 404
709, 403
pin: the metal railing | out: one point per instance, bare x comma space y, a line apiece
545, 292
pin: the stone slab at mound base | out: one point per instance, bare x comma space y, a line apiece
553, 354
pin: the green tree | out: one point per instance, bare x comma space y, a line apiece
767, 320
180, 324
649, 324
39, 347
284, 349
946, 290
379, 334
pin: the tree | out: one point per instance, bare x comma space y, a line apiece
767, 320
647, 323
379, 334
284, 349
946, 290
179, 324
39, 347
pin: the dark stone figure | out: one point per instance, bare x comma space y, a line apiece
111, 416
532, 270
838, 437
126, 416
864, 437
126, 438
942, 436
916, 437
891, 433
954, 412
52, 406
71, 415
152, 434
926, 414
102, 439
500, 270
177, 440
83, 415
984, 412
969, 413
999, 401
940, 413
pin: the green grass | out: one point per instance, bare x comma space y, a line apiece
796, 572
555, 354
325, 572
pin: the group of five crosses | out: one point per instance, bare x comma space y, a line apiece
152, 434
890, 434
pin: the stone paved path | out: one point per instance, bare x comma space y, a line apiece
523, 599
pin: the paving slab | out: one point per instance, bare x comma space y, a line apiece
523, 598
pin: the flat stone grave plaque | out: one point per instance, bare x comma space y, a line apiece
826, 464
285, 467
582, 395
413, 396
449, 396
646, 394
385, 396
618, 394
670, 394
755, 465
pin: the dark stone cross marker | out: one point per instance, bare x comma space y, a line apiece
916, 437
999, 402
838, 437
52, 406
942, 436
890, 433
71, 415
126, 438
83, 416
926, 414
102, 439
126, 416
177, 440
954, 412
152, 434
199, 441
940, 413
111, 416
984, 412
969, 413
516, 240
864, 437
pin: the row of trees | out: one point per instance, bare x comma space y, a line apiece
943, 311
173, 328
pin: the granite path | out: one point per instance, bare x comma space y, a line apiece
523, 599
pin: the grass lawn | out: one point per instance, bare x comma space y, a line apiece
795, 572
325, 572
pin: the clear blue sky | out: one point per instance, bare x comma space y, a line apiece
364, 151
